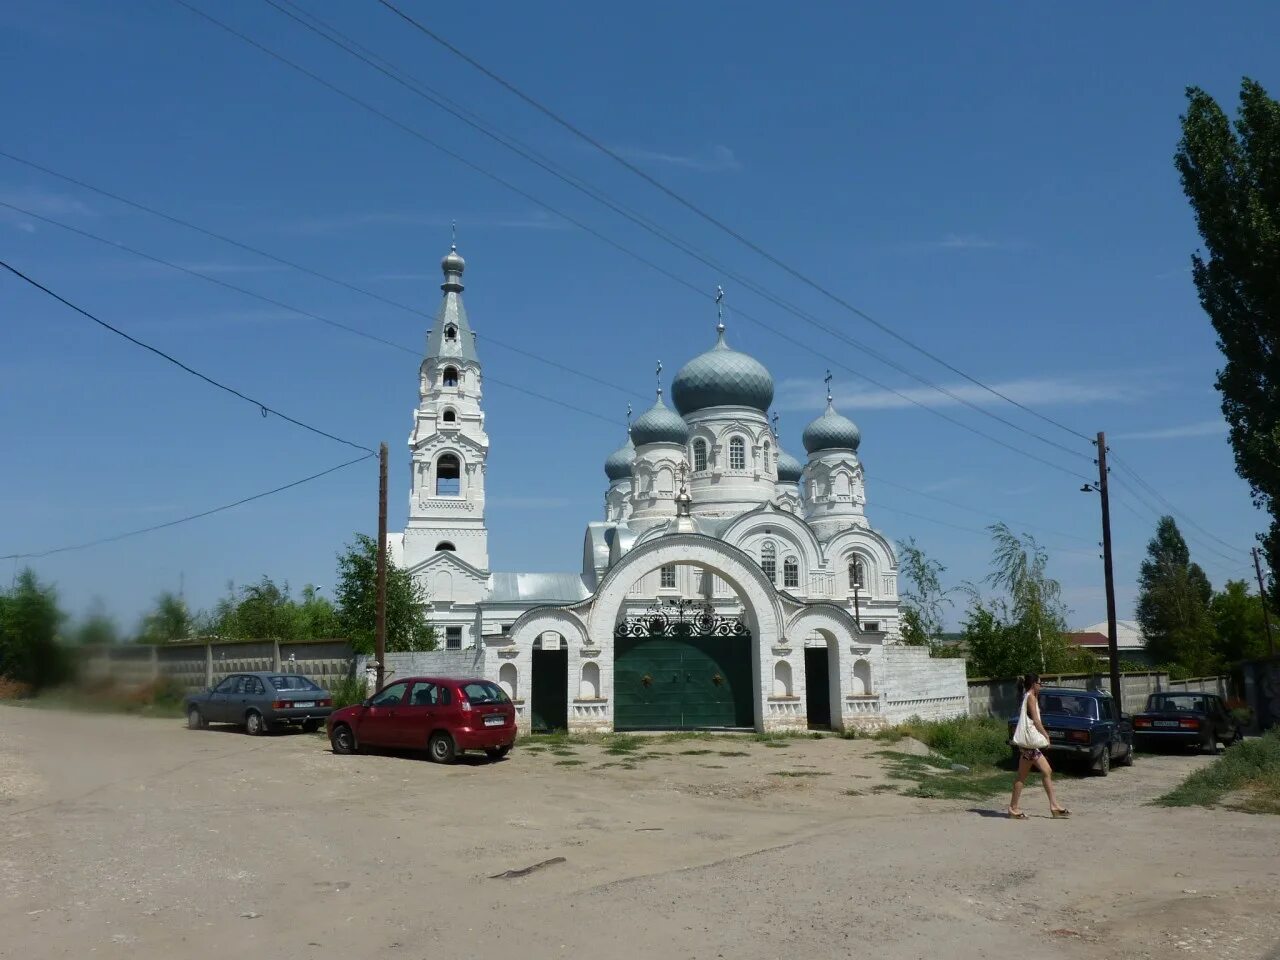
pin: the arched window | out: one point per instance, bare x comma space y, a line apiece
448, 476
509, 680
769, 561
450, 416
782, 679
589, 688
699, 455
857, 574
737, 454
450, 378
791, 572
764, 452
451, 333
446, 545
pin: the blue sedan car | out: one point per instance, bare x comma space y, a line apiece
1084, 725
261, 702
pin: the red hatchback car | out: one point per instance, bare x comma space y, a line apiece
443, 716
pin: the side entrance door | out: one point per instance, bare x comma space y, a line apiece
674, 683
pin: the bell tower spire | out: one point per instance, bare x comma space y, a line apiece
449, 445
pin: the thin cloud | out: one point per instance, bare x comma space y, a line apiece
222, 268
1043, 391
322, 226
1205, 428
967, 241
46, 203
720, 159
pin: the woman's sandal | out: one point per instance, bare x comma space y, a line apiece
1016, 816
1061, 813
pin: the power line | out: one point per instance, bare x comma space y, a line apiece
979, 512
263, 407
1207, 558
600, 236
187, 519
439, 100
1172, 509
355, 331
275, 258
694, 208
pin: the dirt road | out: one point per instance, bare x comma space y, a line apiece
130, 838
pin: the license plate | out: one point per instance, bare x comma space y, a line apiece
1053, 735
304, 703
493, 720
1166, 723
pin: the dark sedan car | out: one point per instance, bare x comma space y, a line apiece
260, 702
1186, 719
1084, 725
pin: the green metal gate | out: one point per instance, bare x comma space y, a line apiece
682, 667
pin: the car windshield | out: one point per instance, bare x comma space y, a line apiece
293, 682
1069, 705
1176, 703
482, 691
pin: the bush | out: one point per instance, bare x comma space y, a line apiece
1250, 769
972, 741
347, 691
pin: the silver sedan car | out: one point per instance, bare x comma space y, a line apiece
261, 702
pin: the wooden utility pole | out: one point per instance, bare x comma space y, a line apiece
1262, 595
1113, 650
380, 608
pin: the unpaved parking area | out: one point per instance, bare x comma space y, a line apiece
132, 838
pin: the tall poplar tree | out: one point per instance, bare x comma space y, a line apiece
1173, 605
1232, 178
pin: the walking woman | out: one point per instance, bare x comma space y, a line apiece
1030, 738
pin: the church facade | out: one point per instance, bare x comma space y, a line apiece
728, 585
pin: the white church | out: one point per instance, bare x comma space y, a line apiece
728, 586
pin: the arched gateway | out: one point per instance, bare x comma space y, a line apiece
679, 664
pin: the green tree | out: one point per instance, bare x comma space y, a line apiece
407, 626
923, 599
1240, 631
1173, 605
1022, 628
267, 610
97, 628
30, 620
1232, 178
168, 620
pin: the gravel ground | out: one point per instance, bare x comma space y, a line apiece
132, 838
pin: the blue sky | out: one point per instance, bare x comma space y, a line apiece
995, 183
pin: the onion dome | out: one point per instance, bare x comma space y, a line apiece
831, 431
659, 424
790, 470
453, 262
722, 377
618, 464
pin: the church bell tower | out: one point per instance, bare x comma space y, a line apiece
448, 446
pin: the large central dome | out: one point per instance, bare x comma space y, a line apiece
722, 377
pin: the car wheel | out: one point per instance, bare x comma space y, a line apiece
343, 740
310, 726
497, 753
1127, 759
441, 748
1211, 745
195, 719
1103, 766
254, 725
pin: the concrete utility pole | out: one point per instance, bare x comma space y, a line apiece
1262, 595
380, 614
1113, 651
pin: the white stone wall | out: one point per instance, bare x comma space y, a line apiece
917, 685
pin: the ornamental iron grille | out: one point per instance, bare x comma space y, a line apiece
681, 618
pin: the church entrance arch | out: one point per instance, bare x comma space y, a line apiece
687, 664
679, 665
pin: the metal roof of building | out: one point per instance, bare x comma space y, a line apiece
536, 588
